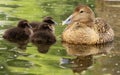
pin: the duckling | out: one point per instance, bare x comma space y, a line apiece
43, 37
47, 19
19, 35
84, 28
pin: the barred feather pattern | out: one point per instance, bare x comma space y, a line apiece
106, 34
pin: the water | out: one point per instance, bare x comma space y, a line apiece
62, 58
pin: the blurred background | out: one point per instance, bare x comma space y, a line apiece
31, 62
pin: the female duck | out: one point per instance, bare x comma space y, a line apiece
43, 37
20, 34
84, 28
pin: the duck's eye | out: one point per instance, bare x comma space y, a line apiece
81, 11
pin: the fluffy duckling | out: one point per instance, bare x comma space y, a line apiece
84, 28
43, 37
19, 35
47, 19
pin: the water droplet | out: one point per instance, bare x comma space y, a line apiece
116, 64
83, 72
1, 67
81, 64
90, 67
118, 71
103, 54
104, 69
87, 1
92, 5
58, 50
110, 56
15, 55
48, 4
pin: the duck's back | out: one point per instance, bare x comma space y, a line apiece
35, 24
106, 33
16, 35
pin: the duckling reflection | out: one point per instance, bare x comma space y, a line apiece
83, 55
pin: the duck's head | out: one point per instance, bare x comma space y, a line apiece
82, 13
49, 20
24, 24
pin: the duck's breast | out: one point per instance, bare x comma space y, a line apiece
80, 35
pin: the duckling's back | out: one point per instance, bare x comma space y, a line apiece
43, 37
15, 35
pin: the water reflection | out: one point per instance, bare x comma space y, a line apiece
10, 6
5, 16
8, 58
20, 63
90, 60
84, 50
94, 58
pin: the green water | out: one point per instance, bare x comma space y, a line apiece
95, 60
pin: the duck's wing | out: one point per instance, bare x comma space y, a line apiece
104, 30
102, 25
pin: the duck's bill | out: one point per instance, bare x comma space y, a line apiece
67, 21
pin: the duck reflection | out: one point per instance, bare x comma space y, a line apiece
84, 55
81, 63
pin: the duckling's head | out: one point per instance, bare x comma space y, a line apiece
82, 13
44, 26
49, 20
23, 24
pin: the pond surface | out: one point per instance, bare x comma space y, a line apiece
62, 58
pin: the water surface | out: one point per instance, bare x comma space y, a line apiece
62, 58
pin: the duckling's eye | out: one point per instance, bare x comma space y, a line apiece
81, 11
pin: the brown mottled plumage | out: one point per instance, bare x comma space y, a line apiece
43, 37
84, 28
19, 35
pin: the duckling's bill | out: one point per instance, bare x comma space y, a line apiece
29, 26
55, 23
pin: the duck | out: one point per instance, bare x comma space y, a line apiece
43, 37
46, 19
19, 35
84, 28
